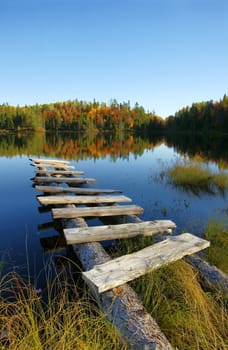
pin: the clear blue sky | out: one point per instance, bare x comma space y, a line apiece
163, 54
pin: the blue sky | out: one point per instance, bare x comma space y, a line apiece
163, 54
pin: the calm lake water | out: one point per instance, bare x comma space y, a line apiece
134, 165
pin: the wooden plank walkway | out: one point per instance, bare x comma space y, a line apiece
68, 180
110, 232
76, 190
82, 199
128, 267
69, 213
100, 272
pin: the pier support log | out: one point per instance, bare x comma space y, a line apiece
211, 275
121, 305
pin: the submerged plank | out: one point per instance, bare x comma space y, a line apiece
70, 180
49, 161
102, 233
69, 213
77, 190
128, 267
59, 172
82, 199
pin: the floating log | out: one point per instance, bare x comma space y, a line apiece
69, 213
58, 172
49, 161
128, 267
69, 180
82, 199
77, 190
109, 232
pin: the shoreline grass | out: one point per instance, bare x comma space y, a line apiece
190, 317
194, 178
66, 320
217, 254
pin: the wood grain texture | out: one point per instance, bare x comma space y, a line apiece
69, 213
69, 180
82, 199
107, 232
128, 267
121, 305
76, 190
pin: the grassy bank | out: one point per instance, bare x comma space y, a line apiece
195, 178
67, 317
216, 232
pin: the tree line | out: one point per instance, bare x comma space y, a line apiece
80, 116
205, 117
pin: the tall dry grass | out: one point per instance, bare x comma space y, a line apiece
191, 318
67, 317
217, 233
65, 320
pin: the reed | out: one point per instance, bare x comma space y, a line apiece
66, 320
190, 317
191, 177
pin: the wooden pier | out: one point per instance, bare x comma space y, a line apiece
103, 274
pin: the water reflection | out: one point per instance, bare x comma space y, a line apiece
118, 161
116, 146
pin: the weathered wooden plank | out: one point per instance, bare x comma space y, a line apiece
128, 267
82, 199
122, 306
102, 233
68, 213
69, 180
58, 172
77, 190
49, 161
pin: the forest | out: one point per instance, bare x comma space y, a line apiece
80, 116
205, 117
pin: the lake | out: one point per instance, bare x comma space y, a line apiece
135, 165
